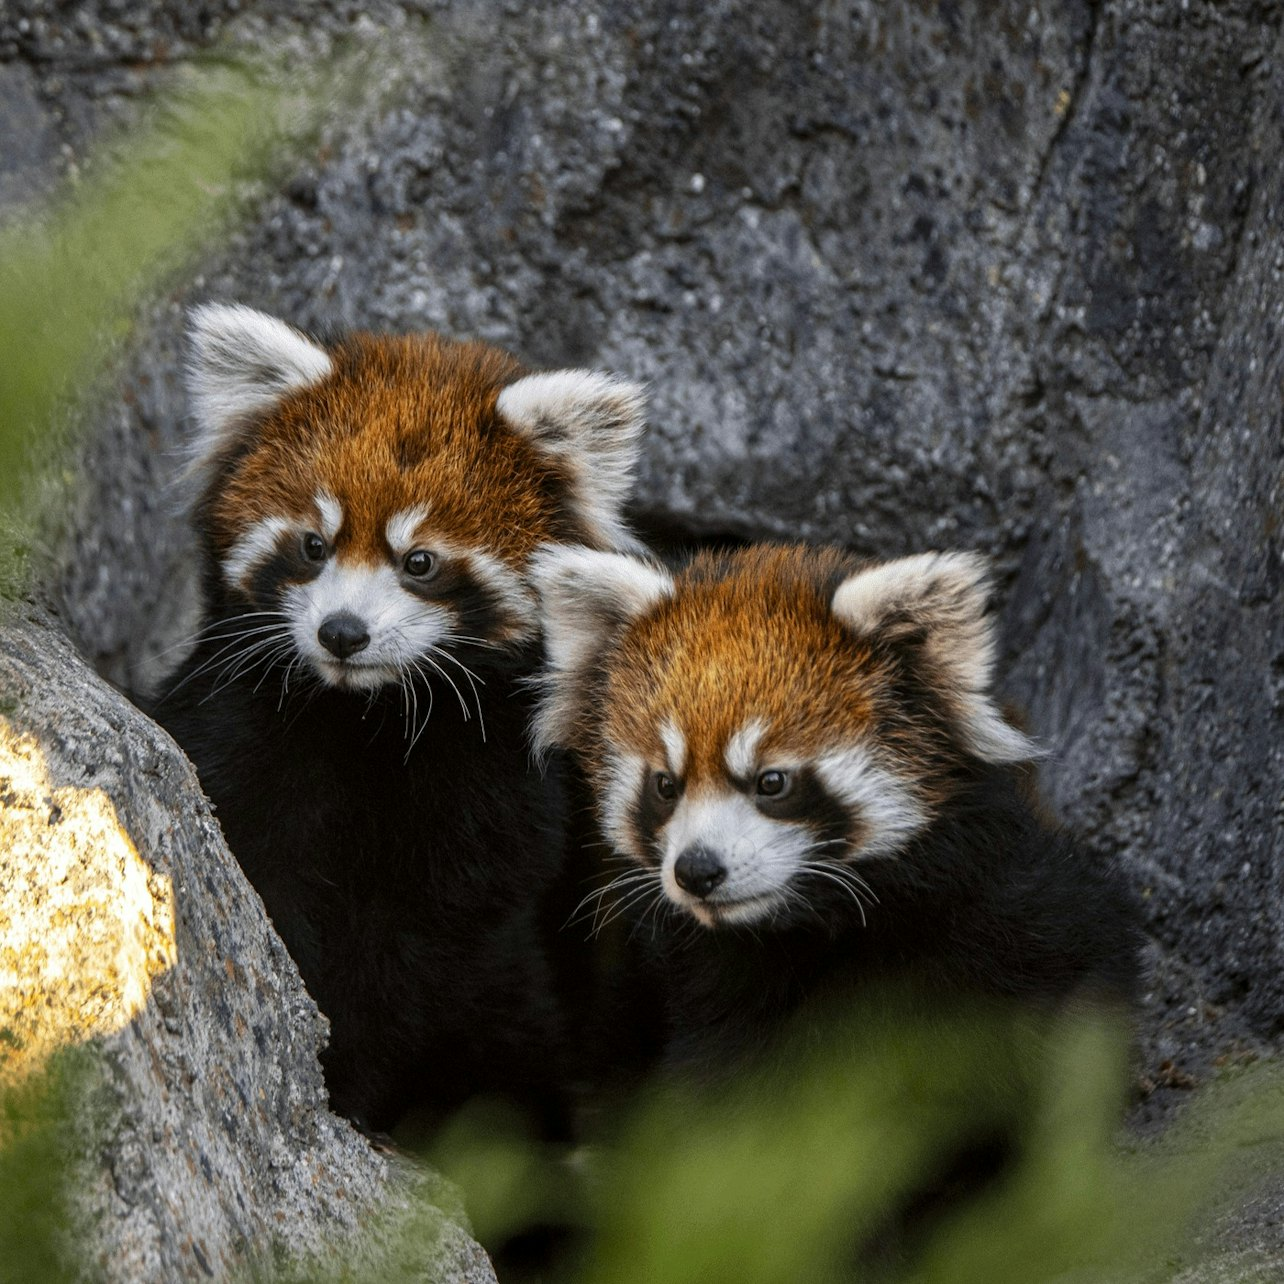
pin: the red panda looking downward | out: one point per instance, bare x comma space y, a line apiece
356, 707
802, 756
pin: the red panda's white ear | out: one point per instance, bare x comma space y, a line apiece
243, 362
591, 424
939, 601
586, 597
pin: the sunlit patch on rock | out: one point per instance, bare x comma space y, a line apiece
85, 924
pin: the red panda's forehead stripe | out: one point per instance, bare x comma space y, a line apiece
331, 513
402, 528
399, 423
745, 661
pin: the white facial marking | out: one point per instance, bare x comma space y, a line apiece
761, 856
256, 545
741, 754
887, 805
616, 798
675, 747
331, 514
401, 527
401, 627
513, 595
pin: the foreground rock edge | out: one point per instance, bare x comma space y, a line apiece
209, 1149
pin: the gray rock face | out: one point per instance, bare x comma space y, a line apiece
126, 921
900, 276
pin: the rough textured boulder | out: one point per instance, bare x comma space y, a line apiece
901, 276
125, 920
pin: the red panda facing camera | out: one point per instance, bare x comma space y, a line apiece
393, 488
802, 756
356, 706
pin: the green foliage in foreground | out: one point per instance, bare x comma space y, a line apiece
804, 1173
76, 268
798, 1174
35, 1213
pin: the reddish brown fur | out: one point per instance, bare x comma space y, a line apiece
751, 635
971, 895
400, 421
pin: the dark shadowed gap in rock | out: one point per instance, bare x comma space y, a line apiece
676, 538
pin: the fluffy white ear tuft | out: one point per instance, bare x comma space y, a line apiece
243, 362
591, 424
940, 600
585, 597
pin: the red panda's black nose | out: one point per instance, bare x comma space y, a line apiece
343, 634
699, 871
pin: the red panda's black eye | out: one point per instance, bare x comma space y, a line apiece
314, 548
665, 786
771, 784
420, 563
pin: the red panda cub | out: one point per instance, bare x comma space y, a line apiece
357, 706
801, 756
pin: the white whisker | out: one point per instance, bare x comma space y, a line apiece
472, 680
231, 643
467, 712
266, 651
210, 630
625, 902
421, 727
619, 883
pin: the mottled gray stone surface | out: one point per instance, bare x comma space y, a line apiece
209, 1145
1005, 275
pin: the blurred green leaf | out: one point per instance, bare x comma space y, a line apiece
815, 1169
794, 1173
514, 1181
36, 1228
75, 268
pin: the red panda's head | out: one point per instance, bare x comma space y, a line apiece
379, 498
757, 725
